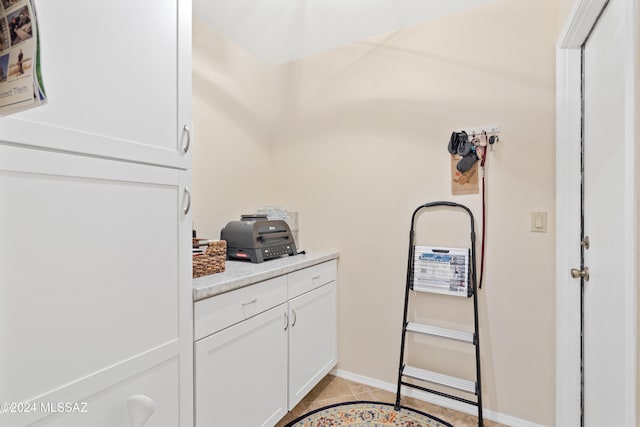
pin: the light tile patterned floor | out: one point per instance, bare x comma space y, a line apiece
335, 390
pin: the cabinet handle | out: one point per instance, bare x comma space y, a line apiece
294, 318
286, 321
186, 139
187, 197
140, 408
253, 301
315, 277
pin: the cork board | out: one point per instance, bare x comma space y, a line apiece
464, 183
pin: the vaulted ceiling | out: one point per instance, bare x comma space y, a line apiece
278, 31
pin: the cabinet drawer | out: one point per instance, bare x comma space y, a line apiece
304, 280
218, 312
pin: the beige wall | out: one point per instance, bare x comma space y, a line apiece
564, 8
357, 139
236, 100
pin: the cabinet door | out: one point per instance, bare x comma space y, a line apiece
117, 77
241, 373
109, 407
94, 288
312, 340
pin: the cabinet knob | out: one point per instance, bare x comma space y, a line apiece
186, 139
140, 409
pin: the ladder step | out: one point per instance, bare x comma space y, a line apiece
442, 379
453, 334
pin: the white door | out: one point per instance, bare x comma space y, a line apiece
606, 364
597, 197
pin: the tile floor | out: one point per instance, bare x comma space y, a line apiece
335, 390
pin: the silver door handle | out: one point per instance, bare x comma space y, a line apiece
253, 301
187, 197
576, 273
286, 321
294, 318
186, 139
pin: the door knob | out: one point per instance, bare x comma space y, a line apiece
576, 273
586, 242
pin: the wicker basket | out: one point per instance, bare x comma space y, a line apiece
212, 261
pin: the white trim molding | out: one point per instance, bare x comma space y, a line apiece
580, 22
568, 135
567, 230
435, 399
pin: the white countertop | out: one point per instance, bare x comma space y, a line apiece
238, 274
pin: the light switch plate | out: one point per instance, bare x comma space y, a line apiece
539, 222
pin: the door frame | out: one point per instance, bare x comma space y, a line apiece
568, 137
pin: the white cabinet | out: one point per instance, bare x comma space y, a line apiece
108, 408
214, 314
313, 350
269, 344
241, 373
118, 81
94, 290
241, 356
95, 266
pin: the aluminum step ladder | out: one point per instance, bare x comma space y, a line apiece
470, 337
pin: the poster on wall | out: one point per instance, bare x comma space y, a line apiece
441, 270
20, 77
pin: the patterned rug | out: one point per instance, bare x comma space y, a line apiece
366, 414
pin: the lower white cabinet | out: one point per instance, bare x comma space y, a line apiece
312, 340
241, 373
250, 374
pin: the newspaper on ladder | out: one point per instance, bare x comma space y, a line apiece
441, 270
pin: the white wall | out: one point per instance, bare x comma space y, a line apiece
358, 140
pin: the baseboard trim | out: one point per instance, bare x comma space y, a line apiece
435, 399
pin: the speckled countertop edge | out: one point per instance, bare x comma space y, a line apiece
239, 274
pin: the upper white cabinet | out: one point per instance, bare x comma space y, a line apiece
118, 80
